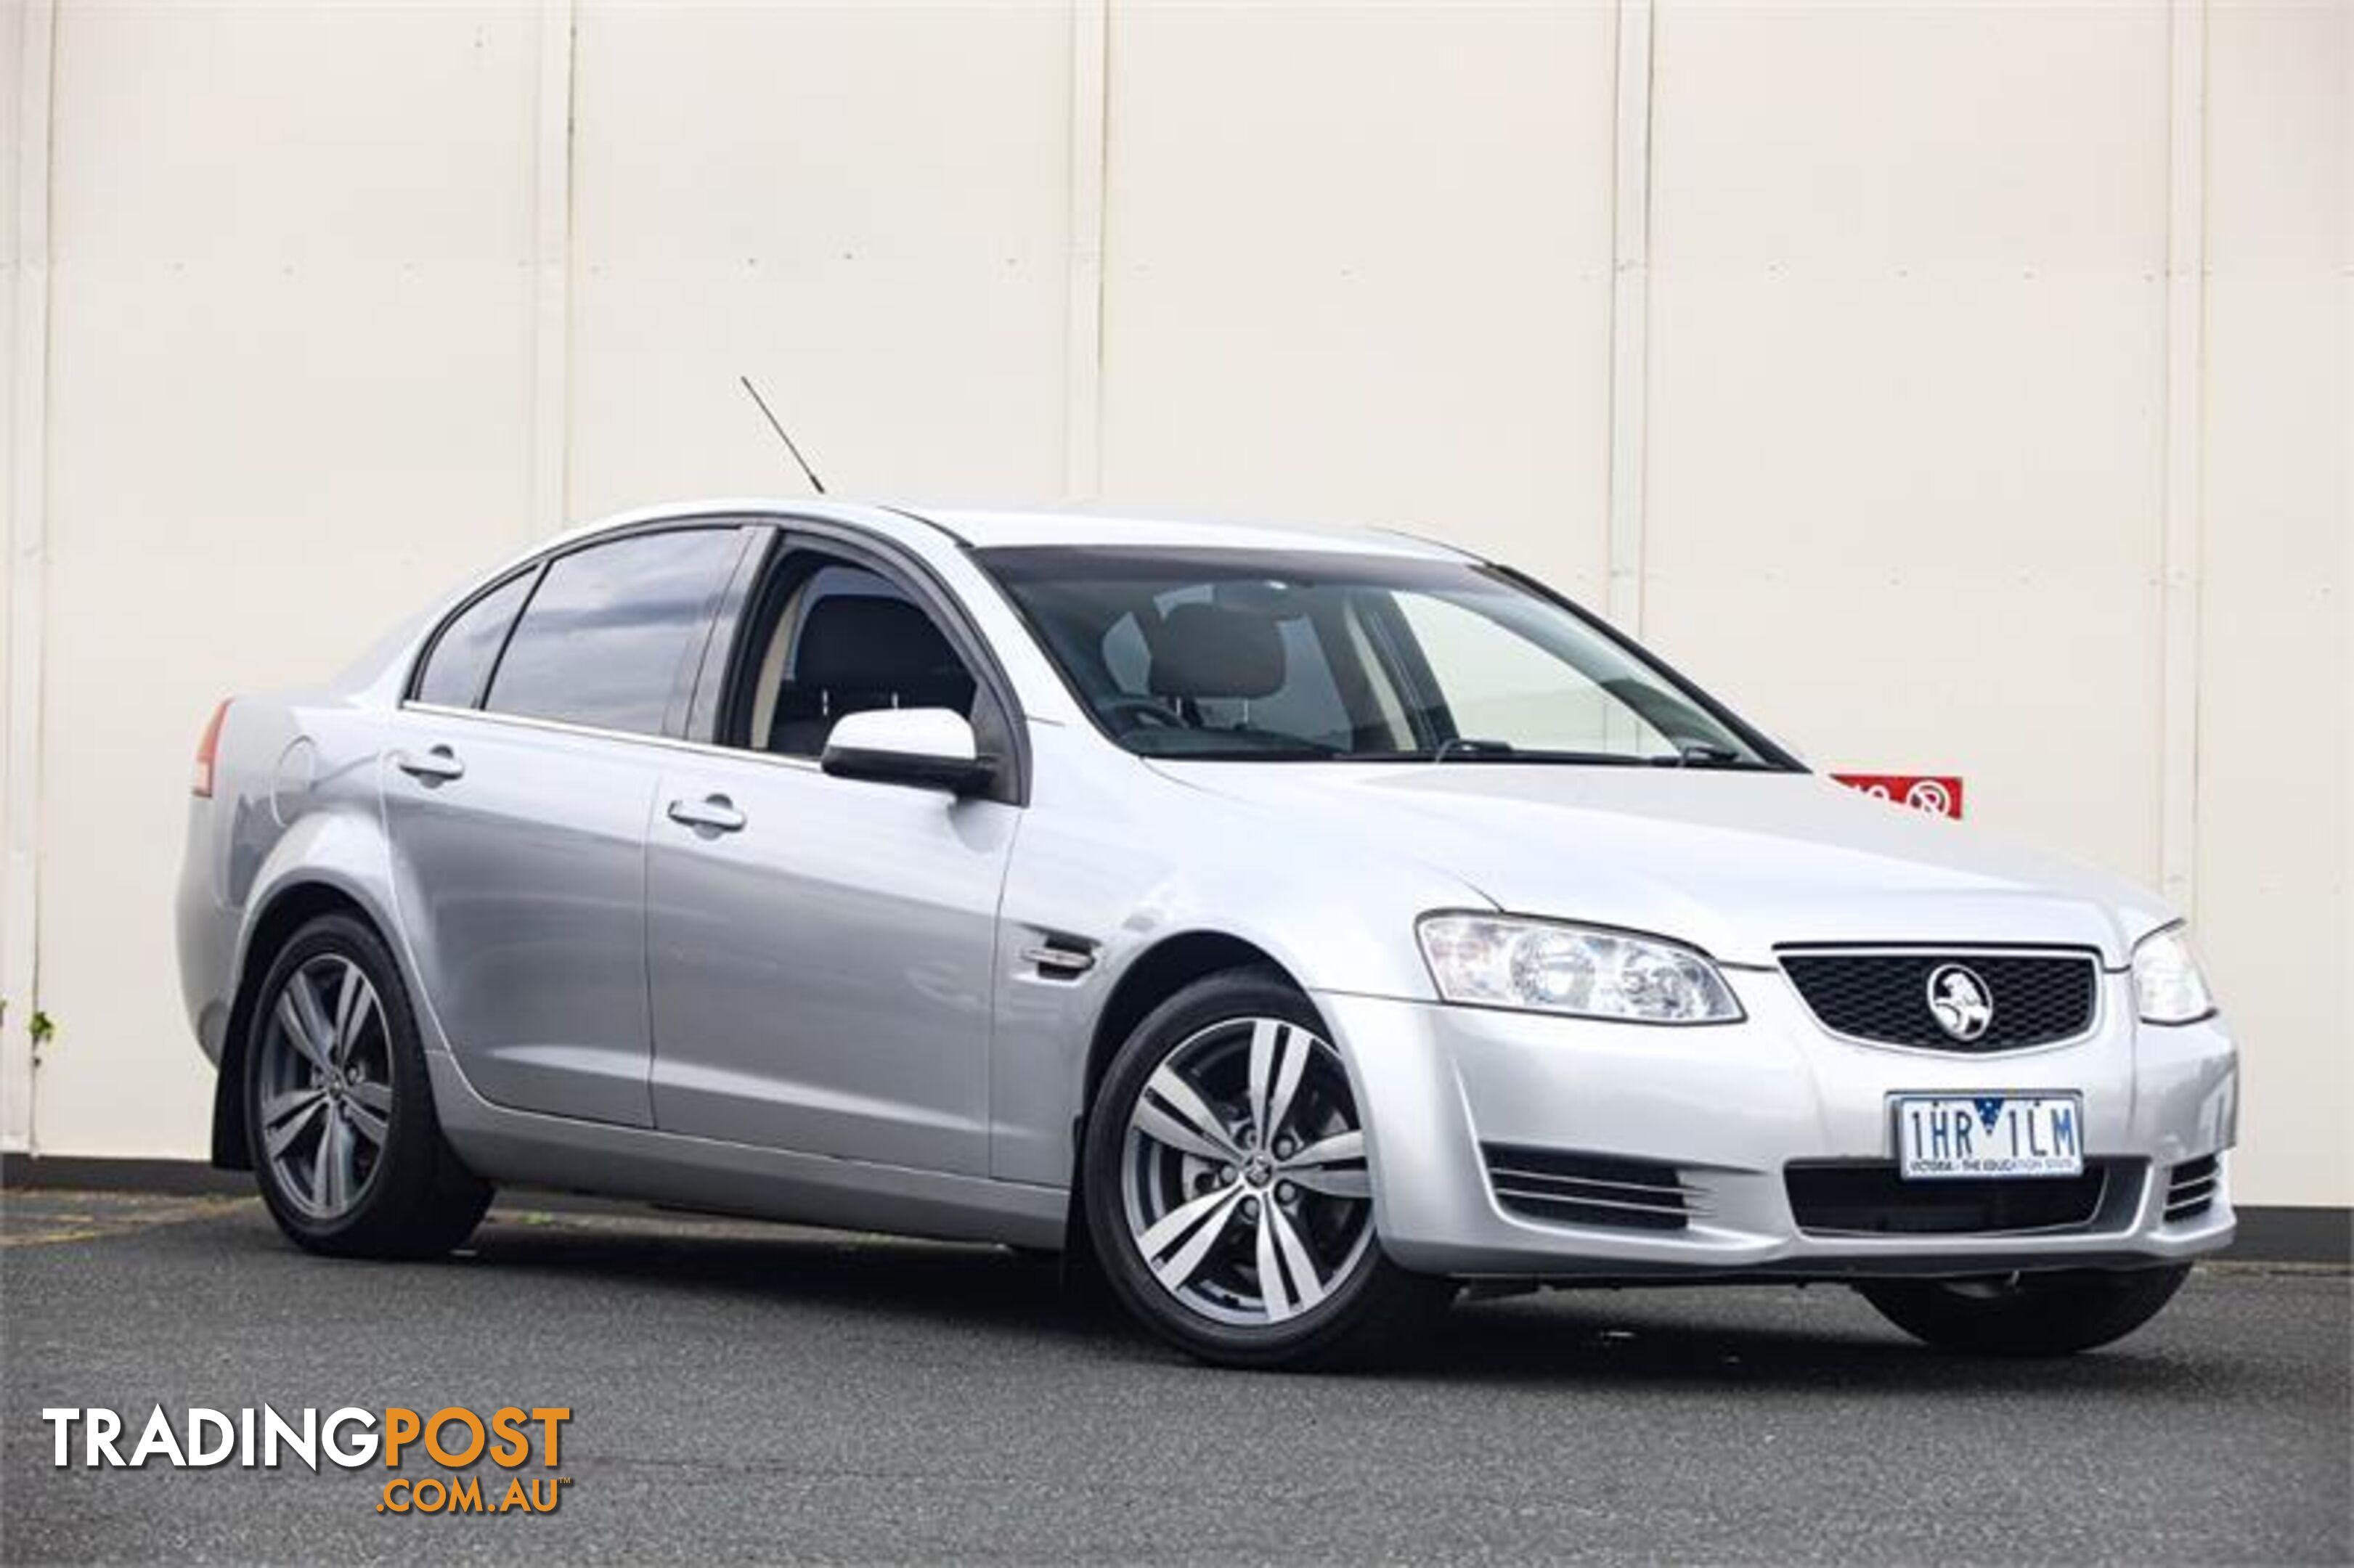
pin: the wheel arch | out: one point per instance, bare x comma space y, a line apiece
287, 910
1158, 973
1148, 980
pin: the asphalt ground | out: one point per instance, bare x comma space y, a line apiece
747, 1392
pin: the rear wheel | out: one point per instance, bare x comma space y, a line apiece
346, 1149
2054, 1314
1227, 1190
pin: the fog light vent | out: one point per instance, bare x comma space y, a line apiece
1606, 1192
2191, 1192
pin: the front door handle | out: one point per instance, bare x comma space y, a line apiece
712, 813
436, 766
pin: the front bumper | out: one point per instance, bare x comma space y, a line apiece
1729, 1107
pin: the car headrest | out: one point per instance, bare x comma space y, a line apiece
869, 643
1209, 651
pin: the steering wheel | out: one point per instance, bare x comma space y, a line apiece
1146, 710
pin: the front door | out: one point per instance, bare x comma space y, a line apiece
821, 949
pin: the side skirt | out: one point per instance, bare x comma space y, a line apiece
527, 1147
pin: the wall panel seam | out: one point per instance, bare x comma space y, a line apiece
1631, 258
551, 306
2184, 439
1083, 368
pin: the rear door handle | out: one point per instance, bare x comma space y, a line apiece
437, 765
714, 813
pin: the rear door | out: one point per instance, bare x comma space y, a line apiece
517, 790
822, 950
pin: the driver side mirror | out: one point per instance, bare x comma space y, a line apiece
931, 748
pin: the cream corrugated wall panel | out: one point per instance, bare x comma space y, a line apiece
25, 33
288, 400
1357, 268
15, 1121
1907, 359
1904, 441
2276, 659
866, 207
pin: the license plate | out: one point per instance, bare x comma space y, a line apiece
1940, 1136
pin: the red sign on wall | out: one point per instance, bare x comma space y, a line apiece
1939, 794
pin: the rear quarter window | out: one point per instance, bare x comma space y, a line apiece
460, 663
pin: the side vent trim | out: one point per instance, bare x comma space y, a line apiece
1059, 957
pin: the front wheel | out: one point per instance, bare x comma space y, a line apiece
1227, 1191
346, 1145
2054, 1314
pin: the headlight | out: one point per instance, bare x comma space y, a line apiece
2168, 986
1536, 965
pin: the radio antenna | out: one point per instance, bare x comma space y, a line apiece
777, 425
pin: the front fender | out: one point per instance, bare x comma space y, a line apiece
1121, 860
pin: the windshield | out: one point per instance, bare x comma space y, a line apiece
1271, 655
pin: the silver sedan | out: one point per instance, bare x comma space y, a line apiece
1297, 926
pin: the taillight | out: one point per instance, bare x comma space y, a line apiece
206, 749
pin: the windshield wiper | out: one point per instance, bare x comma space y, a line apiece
1471, 748
1299, 751
1703, 754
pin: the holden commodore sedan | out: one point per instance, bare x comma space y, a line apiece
1302, 927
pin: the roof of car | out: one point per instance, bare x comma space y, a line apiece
995, 530
984, 528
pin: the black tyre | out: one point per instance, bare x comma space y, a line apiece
338, 1111
1227, 1190
2053, 1313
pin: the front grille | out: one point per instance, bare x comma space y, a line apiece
1856, 1199
2191, 1191
2037, 998
1566, 1189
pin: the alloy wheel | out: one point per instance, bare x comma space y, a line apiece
1244, 1176
326, 1107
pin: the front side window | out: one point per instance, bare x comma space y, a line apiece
831, 637
1267, 655
607, 636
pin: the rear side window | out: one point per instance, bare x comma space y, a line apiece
604, 641
463, 655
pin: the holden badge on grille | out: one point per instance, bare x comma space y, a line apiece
1959, 1001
